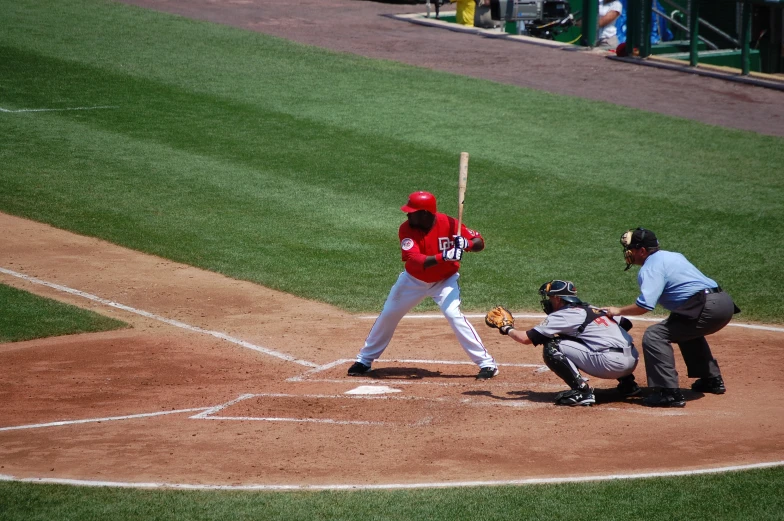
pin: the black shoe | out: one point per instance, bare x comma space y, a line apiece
358, 369
487, 373
627, 387
713, 385
574, 397
665, 397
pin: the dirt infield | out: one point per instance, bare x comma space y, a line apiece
213, 384
266, 403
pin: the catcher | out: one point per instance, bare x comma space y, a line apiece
576, 337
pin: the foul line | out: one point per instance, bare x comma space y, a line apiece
97, 420
298, 420
397, 486
159, 318
57, 110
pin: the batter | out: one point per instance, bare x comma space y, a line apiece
431, 249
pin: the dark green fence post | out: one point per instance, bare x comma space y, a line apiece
632, 26
745, 38
694, 31
646, 18
590, 22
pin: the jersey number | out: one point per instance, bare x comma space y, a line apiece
602, 321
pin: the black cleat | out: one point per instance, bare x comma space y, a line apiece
714, 385
665, 397
627, 387
487, 373
358, 369
574, 397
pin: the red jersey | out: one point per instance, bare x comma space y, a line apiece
416, 245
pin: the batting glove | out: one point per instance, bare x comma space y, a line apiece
453, 255
462, 243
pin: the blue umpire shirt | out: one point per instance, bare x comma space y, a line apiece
668, 278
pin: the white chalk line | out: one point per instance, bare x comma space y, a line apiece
491, 401
398, 486
306, 375
540, 316
159, 318
217, 408
297, 420
98, 420
58, 110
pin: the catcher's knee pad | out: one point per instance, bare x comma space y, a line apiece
559, 364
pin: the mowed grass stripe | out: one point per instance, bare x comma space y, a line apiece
232, 151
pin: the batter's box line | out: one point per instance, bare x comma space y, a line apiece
466, 401
320, 369
208, 414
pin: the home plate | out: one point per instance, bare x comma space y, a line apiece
373, 389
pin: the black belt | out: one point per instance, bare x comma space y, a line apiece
717, 289
615, 349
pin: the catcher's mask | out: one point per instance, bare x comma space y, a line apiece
635, 239
564, 289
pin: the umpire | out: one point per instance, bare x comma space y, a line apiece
698, 307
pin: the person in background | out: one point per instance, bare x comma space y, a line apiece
466, 10
609, 11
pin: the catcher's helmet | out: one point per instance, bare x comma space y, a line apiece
420, 201
637, 238
564, 289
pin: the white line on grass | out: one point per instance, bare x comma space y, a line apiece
432, 316
62, 109
165, 320
97, 420
398, 486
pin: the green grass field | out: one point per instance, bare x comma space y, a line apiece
230, 151
738, 496
26, 316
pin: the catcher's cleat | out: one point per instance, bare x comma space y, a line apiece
713, 385
574, 397
487, 373
627, 387
665, 397
358, 369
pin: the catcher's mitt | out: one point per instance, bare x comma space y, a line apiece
500, 318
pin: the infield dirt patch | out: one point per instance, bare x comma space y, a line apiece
218, 412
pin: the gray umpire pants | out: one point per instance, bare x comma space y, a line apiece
689, 334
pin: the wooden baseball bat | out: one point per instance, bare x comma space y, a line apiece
462, 181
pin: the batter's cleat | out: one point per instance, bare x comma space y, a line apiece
487, 373
574, 397
714, 385
358, 369
627, 387
665, 397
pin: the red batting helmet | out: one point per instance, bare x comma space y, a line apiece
420, 201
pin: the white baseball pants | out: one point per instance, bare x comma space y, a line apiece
407, 293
